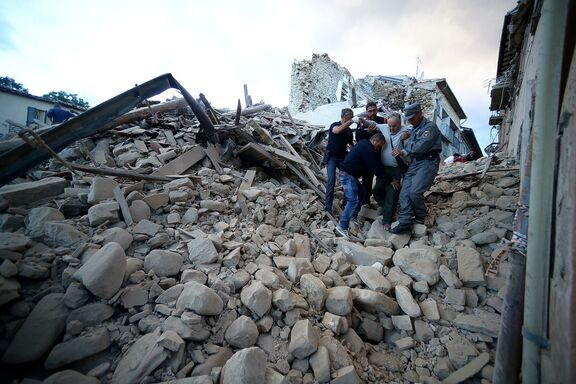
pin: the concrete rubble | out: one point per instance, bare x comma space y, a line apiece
232, 273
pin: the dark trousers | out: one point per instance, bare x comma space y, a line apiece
386, 196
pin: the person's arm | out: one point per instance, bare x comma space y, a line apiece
342, 127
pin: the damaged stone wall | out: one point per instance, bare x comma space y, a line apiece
316, 82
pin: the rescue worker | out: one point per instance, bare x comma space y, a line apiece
424, 148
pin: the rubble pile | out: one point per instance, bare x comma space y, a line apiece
230, 272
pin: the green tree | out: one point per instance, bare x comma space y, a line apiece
9, 82
70, 98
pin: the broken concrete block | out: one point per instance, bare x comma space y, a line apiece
157, 200
303, 339
103, 273
470, 267
39, 332
101, 189
455, 296
78, 348
430, 309
374, 302
247, 366
299, 267
346, 375
339, 300
200, 299
163, 263
406, 302
61, 234
483, 322
449, 277
242, 333
420, 263
202, 251
402, 322
320, 363
315, 291
139, 211
29, 192
335, 323
171, 341
360, 255
373, 279
104, 212
146, 227
37, 217
257, 298
405, 343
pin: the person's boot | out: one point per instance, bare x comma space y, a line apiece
401, 228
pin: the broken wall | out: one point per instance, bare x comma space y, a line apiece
317, 82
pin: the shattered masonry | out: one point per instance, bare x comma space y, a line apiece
231, 272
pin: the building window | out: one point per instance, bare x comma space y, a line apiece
35, 114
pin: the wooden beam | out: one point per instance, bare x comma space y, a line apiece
214, 157
181, 163
254, 153
119, 173
262, 133
247, 181
285, 155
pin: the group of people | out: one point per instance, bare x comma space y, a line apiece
405, 163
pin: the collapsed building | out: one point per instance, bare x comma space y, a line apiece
321, 81
138, 255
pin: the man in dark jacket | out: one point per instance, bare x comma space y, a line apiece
58, 115
365, 131
365, 155
339, 137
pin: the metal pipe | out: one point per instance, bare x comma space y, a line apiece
509, 350
551, 26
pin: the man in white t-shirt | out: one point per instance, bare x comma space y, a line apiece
387, 196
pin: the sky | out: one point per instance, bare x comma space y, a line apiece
98, 49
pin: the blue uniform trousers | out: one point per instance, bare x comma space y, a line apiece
417, 180
354, 193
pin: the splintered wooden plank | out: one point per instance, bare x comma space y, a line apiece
180, 164
263, 133
254, 153
169, 137
285, 155
214, 156
305, 167
246, 183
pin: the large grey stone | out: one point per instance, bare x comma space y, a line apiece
420, 263
396, 277
202, 251
78, 348
303, 339
315, 291
100, 213
163, 263
406, 302
470, 267
139, 210
37, 217
146, 227
483, 322
143, 357
9, 289
30, 192
449, 277
360, 255
69, 376
102, 188
374, 302
192, 329
257, 298
13, 241
373, 279
200, 299
117, 235
242, 333
247, 366
299, 267
104, 272
190, 217
320, 363
39, 332
346, 375
91, 314
339, 300
57, 234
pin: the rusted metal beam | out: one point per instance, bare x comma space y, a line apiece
16, 161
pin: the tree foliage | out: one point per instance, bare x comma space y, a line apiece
70, 98
9, 82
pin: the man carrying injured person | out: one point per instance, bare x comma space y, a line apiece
364, 156
423, 147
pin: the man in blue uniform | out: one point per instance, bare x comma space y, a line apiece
365, 155
58, 115
424, 147
339, 137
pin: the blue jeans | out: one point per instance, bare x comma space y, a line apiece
354, 194
331, 165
